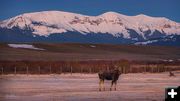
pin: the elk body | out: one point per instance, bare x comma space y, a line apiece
171, 74
112, 75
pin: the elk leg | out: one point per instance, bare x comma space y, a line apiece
111, 85
115, 85
103, 85
100, 81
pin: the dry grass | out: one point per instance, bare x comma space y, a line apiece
84, 87
61, 52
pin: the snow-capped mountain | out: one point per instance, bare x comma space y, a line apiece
171, 40
110, 27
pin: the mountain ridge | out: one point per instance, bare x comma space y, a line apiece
134, 28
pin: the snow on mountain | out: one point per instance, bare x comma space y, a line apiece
49, 22
145, 43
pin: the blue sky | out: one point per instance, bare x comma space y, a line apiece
161, 8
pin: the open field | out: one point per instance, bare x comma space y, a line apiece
67, 51
43, 58
84, 87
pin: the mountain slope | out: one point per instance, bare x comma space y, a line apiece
58, 26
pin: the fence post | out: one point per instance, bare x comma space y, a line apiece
90, 70
81, 70
60, 69
165, 69
71, 70
2, 71
27, 70
151, 70
50, 69
130, 70
15, 70
39, 69
144, 69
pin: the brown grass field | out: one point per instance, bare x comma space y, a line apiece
67, 51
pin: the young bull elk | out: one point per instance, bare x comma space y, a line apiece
171, 74
108, 75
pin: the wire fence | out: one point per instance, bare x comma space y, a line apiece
59, 70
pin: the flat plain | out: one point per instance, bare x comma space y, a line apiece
84, 87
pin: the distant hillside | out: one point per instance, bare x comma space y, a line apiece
67, 51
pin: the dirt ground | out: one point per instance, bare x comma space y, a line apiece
84, 87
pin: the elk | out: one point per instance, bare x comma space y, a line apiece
171, 74
108, 75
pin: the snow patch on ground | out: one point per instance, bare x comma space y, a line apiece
26, 46
93, 46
